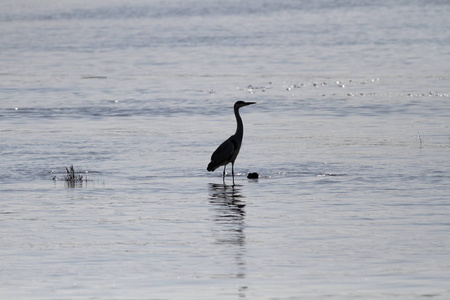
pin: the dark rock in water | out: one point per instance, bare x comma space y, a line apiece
253, 175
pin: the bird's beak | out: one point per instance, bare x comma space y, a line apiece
248, 103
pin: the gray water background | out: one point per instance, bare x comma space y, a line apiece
350, 136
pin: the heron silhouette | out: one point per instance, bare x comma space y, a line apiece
228, 151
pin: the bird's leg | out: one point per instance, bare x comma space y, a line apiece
232, 170
223, 175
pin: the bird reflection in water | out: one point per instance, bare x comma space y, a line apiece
228, 205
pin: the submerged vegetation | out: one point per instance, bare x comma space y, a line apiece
72, 178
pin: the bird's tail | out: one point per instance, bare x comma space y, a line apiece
211, 167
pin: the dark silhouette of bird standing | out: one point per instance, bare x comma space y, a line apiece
228, 151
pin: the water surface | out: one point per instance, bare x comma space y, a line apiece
350, 137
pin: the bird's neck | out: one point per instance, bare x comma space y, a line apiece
240, 127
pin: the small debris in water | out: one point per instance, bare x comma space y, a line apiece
253, 175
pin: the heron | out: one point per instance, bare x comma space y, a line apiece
228, 151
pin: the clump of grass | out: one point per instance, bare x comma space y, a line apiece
72, 178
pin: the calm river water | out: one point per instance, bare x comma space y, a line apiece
350, 136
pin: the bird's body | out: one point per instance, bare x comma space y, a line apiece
228, 151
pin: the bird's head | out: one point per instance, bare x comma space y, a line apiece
240, 104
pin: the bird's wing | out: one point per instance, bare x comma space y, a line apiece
222, 155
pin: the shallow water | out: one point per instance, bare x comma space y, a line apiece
350, 137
